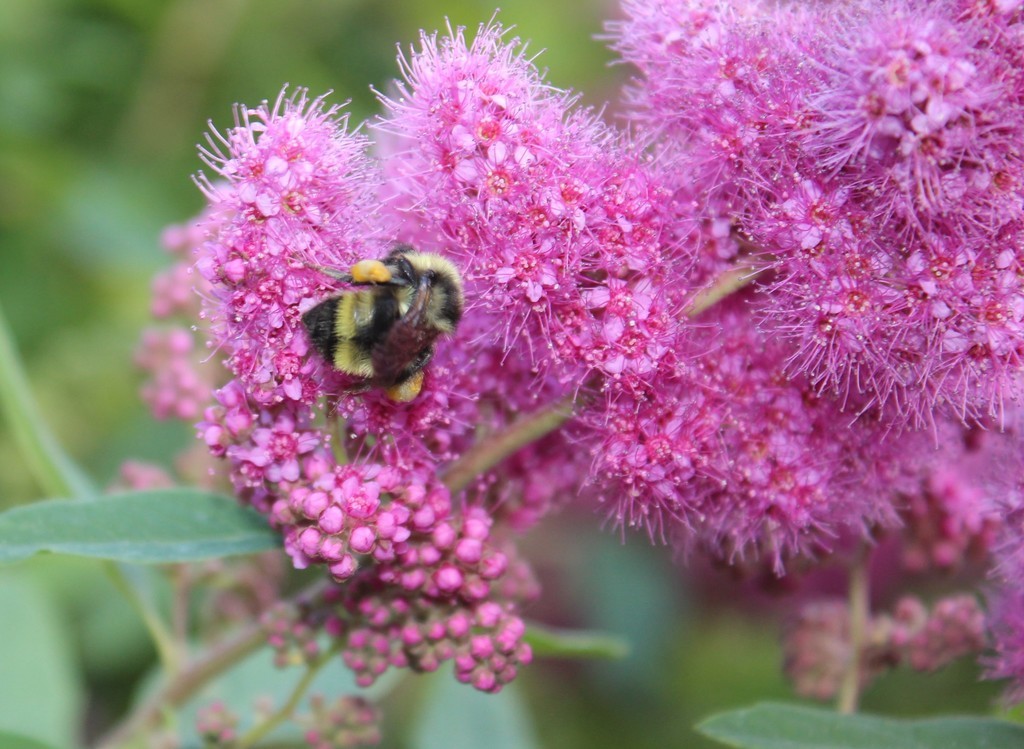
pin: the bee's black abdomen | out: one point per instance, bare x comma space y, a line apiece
374, 328
320, 323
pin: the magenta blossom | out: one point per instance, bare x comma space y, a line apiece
871, 156
857, 171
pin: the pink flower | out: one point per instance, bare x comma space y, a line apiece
297, 193
792, 473
917, 105
537, 199
180, 382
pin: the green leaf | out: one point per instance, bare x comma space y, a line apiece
456, 716
631, 591
40, 694
44, 456
777, 726
16, 741
166, 525
548, 642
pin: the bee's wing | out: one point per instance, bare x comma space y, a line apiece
407, 347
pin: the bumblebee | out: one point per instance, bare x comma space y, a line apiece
385, 331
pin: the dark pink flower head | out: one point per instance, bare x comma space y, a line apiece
931, 321
296, 194
729, 453
534, 196
897, 255
872, 152
483, 152
723, 82
786, 471
921, 112
647, 453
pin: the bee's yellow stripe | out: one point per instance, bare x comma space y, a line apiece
355, 312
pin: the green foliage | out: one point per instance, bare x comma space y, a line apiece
40, 692
159, 526
558, 643
776, 726
15, 741
457, 717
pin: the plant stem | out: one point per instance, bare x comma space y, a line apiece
493, 449
179, 688
176, 691
285, 711
725, 285
56, 473
181, 580
489, 452
859, 610
166, 647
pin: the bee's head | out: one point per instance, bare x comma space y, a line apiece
403, 272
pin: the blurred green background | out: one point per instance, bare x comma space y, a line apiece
101, 105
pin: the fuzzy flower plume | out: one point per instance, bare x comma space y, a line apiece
881, 175
785, 472
722, 83
296, 193
576, 256
558, 227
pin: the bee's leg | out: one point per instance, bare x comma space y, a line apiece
370, 271
358, 388
407, 389
330, 272
363, 273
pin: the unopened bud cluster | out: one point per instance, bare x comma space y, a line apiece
817, 642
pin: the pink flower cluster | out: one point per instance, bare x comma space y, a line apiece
294, 195
345, 722
561, 231
871, 152
584, 260
868, 158
817, 641
858, 163
181, 377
